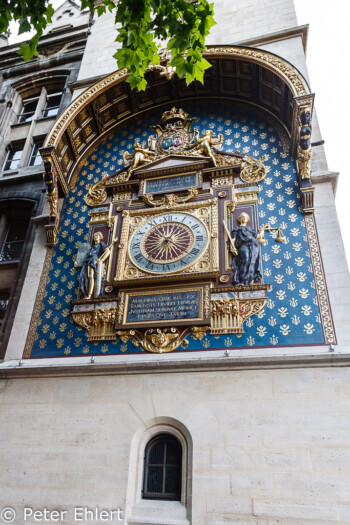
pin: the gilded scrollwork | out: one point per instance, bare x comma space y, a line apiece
252, 170
157, 340
169, 200
230, 207
96, 193
199, 332
226, 161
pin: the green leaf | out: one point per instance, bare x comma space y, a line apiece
24, 26
25, 51
177, 61
49, 13
203, 64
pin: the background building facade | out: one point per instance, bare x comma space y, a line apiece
236, 410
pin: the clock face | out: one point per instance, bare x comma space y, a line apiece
168, 243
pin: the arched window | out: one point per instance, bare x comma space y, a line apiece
162, 468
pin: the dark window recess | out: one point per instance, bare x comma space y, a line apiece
28, 110
162, 468
4, 301
35, 157
52, 105
15, 237
13, 157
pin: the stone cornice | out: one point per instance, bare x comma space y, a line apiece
110, 366
269, 38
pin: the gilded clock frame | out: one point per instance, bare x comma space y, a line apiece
207, 264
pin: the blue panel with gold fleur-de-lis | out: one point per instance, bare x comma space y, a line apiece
291, 315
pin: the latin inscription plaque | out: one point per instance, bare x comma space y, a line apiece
166, 184
164, 306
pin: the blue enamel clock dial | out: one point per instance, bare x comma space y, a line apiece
168, 243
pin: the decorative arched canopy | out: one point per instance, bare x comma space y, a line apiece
243, 74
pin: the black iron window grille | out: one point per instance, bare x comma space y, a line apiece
163, 468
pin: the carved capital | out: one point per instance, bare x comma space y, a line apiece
99, 323
228, 315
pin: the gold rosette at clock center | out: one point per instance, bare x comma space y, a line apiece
167, 242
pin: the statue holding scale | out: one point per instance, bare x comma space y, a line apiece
244, 246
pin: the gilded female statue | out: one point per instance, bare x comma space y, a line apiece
92, 265
246, 254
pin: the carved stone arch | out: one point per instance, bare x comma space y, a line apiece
50, 79
245, 74
136, 507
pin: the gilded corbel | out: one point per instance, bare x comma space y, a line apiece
99, 323
304, 146
50, 180
157, 340
228, 315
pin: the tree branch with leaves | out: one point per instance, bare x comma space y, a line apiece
143, 28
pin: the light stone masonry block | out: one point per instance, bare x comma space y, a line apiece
298, 510
232, 505
252, 484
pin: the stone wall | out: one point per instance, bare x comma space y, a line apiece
269, 446
236, 21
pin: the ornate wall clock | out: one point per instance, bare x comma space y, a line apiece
172, 242
169, 242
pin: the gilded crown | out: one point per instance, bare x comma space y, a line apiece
174, 114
